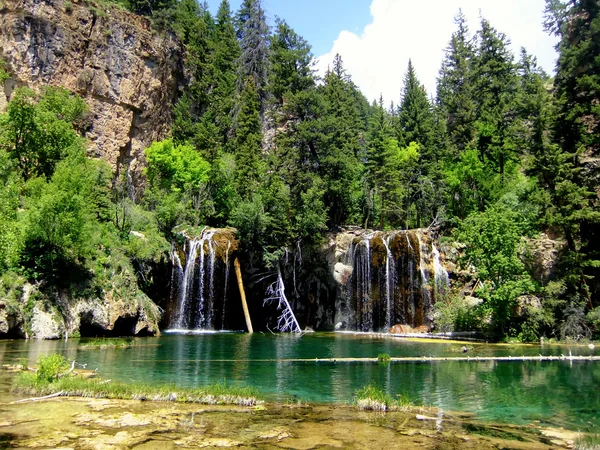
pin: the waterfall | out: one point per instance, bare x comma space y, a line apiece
364, 288
182, 314
425, 288
226, 284
442, 279
194, 288
203, 314
389, 278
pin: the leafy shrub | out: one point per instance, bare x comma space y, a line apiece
50, 367
383, 358
454, 314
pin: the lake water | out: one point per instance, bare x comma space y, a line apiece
561, 393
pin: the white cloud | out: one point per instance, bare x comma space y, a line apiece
420, 30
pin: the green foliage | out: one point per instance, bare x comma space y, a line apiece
178, 167
493, 238
383, 358
370, 397
39, 132
4, 72
453, 313
50, 367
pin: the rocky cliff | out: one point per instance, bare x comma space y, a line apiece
127, 73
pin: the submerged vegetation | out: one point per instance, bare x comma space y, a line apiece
93, 344
52, 378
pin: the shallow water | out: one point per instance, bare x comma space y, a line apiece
560, 393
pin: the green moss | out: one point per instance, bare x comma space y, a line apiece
30, 384
4, 72
95, 344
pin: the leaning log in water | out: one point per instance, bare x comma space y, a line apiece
238, 273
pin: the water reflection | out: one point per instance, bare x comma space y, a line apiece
555, 392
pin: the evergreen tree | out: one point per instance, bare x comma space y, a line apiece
225, 57
248, 144
291, 62
381, 164
455, 87
577, 132
339, 157
253, 35
495, 84
418, 125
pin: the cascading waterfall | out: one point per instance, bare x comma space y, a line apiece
226, 285
389, 280
441, 277
197, 300
182, 315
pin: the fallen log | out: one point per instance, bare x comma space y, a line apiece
37, 399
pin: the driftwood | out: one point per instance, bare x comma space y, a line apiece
36, 399
238, 273
412, 359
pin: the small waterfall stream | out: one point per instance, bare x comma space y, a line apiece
198, 304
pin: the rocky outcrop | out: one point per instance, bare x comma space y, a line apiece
34, 316
541, 255
127, 73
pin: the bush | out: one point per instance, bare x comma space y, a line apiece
454, 314
50, 367
383, 358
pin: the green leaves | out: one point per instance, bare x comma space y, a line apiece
38, 134
492, 241
176, 167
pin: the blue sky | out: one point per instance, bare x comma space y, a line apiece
318, 21
376, 38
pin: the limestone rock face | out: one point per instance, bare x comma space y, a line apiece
109, 316
127, 74
45, 324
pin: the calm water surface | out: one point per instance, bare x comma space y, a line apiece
555, 393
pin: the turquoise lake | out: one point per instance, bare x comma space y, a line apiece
561, 393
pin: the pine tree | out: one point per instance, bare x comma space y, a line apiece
416, 113
417, 125
253, 35
249, 162
577, 132
381, 168
455, 87
495, 84
291, 62
224, 60
343, 129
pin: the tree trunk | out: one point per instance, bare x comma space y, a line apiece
238, 273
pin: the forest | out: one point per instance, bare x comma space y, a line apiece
260, 142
